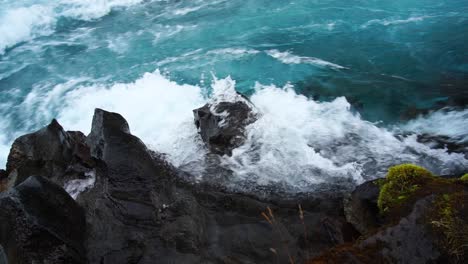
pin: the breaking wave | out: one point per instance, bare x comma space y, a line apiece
296, 142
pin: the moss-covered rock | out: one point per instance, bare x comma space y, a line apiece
400, 183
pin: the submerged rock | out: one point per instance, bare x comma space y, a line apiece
222, 125
41, 223
444, 142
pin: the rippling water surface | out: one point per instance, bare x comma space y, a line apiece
333, 81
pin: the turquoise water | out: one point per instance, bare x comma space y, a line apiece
388, 58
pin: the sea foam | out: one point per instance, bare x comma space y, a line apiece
290, 58
296, 142
23, 23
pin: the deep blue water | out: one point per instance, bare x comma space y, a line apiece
390, 59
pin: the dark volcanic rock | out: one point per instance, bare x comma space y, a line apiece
50, 152
140, 210
429, 226
3, 180
41, 223
409, 241
222, 125
361, 207
131, 188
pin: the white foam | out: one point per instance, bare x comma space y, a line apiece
25, 23
187, 10
445, 122
233, 51
290, 58
77, 186
158, 110
4, 150
120, 44
295, 142
393, 21
93, 9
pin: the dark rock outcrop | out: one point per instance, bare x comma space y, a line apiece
50, 152
41, 223
141, 211
408, 241
429, 227
222, 125
361, 207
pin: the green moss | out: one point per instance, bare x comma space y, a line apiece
464, 177
400, 182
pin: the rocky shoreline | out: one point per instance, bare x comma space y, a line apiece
106, 198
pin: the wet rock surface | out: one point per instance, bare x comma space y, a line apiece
444, 142
41, 223
222, 125
51, 153
141, 209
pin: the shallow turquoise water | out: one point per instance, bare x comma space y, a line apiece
388, 58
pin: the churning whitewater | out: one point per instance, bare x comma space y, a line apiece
296, 141
341, 90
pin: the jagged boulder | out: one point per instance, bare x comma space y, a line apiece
41, 223
50, 152
131, 188
222, 125
141, 210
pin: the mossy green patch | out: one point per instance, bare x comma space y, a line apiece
400, 182
464, 177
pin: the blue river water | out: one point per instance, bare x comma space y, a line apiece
334, 80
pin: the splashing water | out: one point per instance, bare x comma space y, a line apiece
328, 91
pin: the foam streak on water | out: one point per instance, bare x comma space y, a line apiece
24, 21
